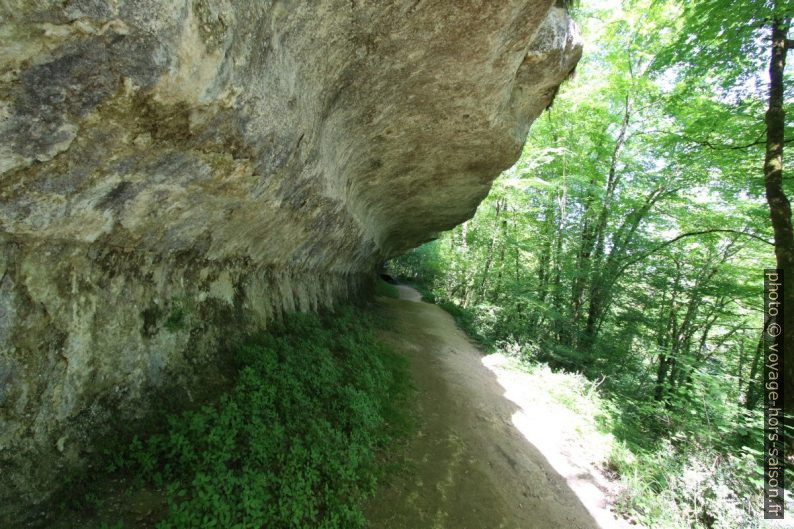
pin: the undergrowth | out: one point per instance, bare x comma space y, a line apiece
384, 289
293, 444
675, 472
665, 485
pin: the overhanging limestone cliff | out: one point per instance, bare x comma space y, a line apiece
174, 172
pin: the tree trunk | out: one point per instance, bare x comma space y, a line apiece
661, 376
605, 277
613, 179
480, 293
779, 206
667, 357
561, 327
753, 385
543, 269
581, 273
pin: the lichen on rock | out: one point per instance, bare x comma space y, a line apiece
175, 173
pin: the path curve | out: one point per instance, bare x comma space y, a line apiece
466, 466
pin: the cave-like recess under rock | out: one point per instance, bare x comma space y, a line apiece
174, 174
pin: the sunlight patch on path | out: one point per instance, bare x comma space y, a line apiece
567, 440
407, 293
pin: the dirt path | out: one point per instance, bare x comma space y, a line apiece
468, 466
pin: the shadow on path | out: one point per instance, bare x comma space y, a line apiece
466, 466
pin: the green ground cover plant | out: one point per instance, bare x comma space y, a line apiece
293, 443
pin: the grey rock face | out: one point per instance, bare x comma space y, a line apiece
174, 173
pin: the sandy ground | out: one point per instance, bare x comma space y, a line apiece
470, 464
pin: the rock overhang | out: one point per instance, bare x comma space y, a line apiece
227, 161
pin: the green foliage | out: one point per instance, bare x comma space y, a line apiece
384, 289
177, 316
293, 444
677, 487
176, 319
721, 39
470, 322
676, 484
118, 525
425, 291
419, 263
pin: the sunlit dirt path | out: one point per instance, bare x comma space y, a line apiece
468, 466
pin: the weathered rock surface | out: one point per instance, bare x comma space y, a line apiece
176, 172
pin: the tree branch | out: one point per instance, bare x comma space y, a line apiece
705, 143
720, 147
667, 243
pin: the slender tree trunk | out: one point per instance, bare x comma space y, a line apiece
779, 206
596, 287
661, 376
605, 277
562, 328
489, 258
581, 274
464, 241
500, 262
543, 270
613, 179
667, 357
740, 368
752, 394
